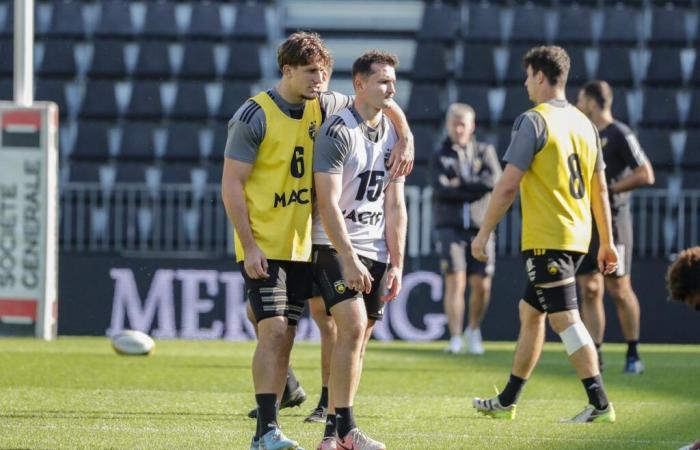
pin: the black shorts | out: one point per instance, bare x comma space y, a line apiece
284, 293
455, 252
550, 266
623, 239
329, 277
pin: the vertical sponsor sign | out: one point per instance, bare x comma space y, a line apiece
28, 216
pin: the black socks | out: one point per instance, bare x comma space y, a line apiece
267, 413
512, 391
345, 421
596, 392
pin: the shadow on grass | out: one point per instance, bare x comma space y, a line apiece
116, 415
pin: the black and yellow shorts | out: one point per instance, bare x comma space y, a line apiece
550, 267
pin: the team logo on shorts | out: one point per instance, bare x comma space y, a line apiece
339, 287
552, 267
312, 130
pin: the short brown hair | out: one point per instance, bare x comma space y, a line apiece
683, 276
363, 64
302, 48
551, 60
600, 92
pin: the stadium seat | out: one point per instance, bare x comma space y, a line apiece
694, 112
484, 24
214, 173
515, 74
425, 141
190, 101
58, 59
426, 103
657, 145
503, 136
516, 103
7, 54
160, 21
578, 73
621, 25
429, 63
198, 61
145, 101
478, 64
131, 172
205, 22
66, 20
691, 152
620, 107
153, 60
91, 142
695, 75
660, 108
235, 93
575, 25
615, 66
176, 174
250, 22
115, 20
477, 98
440, 23
419, 176
137, 142
84, 172
219, 145
99, 100
243, 61
182, 144
668, 26
529, 24
691, 180
664, 67
6, 89
107, 60
6, 19
53, 90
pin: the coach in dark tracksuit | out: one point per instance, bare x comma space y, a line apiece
464, 172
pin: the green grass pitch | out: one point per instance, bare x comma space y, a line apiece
77, 393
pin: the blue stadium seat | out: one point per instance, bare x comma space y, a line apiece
177, 174
182, 143
425, 137
419, 176
115, 20
529, 24
477, 98
66, 20
153, 60
426, 103
657, 145
205, 22
503, 136
235, 93
516, 103
214, 173
691, 152
160, 21
695, 75
578, 73
250, 22
6, 89
429, 63
660, 108
694, 112
99, 101
7, 19
58, 59
84, 172
620, 109
107, 60
190, 101
615, 66
7, 54
243, 61
477, 64
668, 26
665, 67
198, 60
145, 102
131, 172
621, 25
484, 24
137, 142
440, 23
515, 74
52, 90
219, 145
575, 25
92, 142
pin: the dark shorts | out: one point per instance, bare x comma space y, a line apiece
455, 252
551, 266
623, 238
329, 277
284, 293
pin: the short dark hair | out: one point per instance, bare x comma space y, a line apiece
683, 276
302, 48
599, 91
551, 60
363, 64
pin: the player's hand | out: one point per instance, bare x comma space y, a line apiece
401, 158
479, 247
356, 275
607, 259
255, 263
393, 284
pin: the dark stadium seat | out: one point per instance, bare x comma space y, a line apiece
153, 60
691, 180
205, 22
250, 22
52, 90
190, 101
419, 176
657, 145
176, 174
477, 64
198, 60
694, 112
515, 74
66, 20
214, 173
6, 19
621, 25
615, 66
574, 25
107, 60
425, 141
668, 26
664, 67
529, 24
6, 89
137, 142
691, 152
235, 93
58, 59
131, 172
503, 135
115, 20
91, 142
516, 103
620, 107
440, 23
429, 63
160, 21
99, 101
660, 108
145, 102
243, 61
484, 24
84, 172
7, 54
695, 74
219, 144
426, 103
182, 144
578, 73
478, 98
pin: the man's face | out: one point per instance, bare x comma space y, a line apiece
378, 89
584, 103
460, 128
307, 81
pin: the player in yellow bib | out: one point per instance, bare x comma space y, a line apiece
555, 159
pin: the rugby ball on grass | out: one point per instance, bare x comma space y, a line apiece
132, 342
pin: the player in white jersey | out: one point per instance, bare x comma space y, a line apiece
359, 234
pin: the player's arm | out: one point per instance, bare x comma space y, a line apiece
502, 198
403, 154
642, 171
600, 205
396, 220
446, 181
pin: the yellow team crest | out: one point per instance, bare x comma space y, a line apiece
339, 286
552, 267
